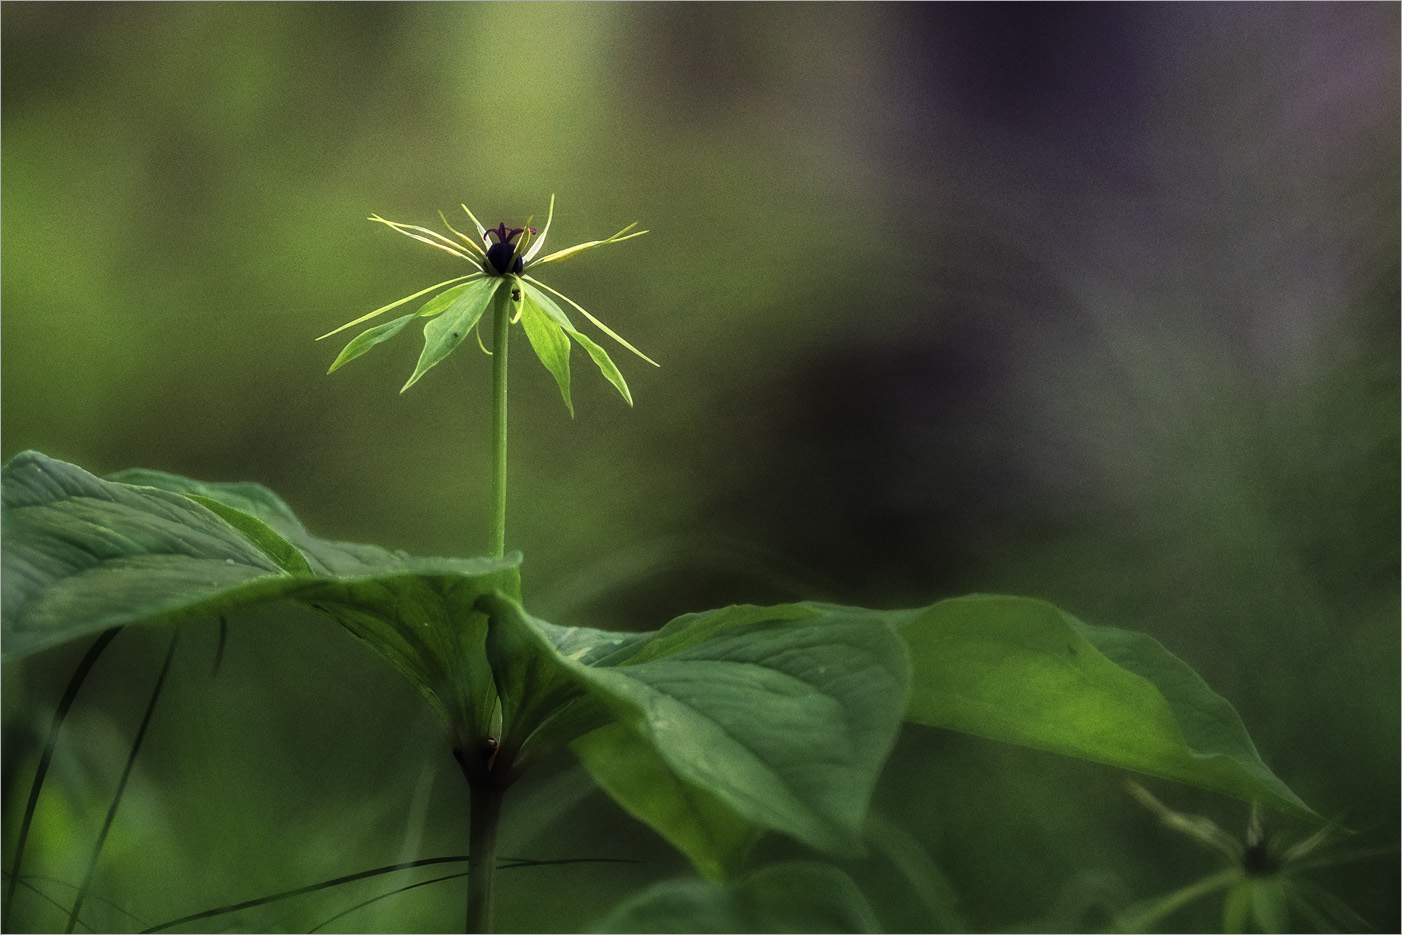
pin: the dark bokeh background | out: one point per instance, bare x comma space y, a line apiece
1091, 303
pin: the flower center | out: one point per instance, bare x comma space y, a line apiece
502, 255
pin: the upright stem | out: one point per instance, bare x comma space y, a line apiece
482, 854
501, 322
485, 795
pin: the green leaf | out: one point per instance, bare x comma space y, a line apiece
396, 303
260, 534
84, 554
598, 324
1021, 671
605, 364
367, 339
549, 343
631, 768
441, 302
448, 329
788, 897
732, 722
323, 557
600, 357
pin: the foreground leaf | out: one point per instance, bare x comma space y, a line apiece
83, 554
733, 722
1021, 671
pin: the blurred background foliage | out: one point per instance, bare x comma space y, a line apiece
1091, 303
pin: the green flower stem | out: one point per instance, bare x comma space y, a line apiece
482, 854
502, 325
485, 795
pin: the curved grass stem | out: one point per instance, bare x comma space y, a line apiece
121, 787
50, 742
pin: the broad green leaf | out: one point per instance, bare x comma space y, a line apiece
447, 330
1022, 671
597, 353
631, 769
543, 707
735, 722
324, 557
367, 339
549, 343
789, 897
274, 546
84, 554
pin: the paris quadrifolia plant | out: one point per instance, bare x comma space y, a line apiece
503, 262
717, 728
1262, 881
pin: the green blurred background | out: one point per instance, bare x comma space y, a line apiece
1091, 303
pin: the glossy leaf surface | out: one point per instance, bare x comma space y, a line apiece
83, 554
736, 721
1022, 671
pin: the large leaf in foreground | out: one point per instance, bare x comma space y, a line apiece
730, 723
1022, 671
83, 554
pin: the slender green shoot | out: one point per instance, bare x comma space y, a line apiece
70, 693
121, 787
502, 334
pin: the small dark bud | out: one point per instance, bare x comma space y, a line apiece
503, 259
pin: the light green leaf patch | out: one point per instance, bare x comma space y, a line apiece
396, 303
324, 557
1021, 671
260, 534
540, 300
447, 330
367, 339
548, 341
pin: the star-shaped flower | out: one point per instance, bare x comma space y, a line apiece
502, 259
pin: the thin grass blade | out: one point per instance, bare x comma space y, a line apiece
121, 786
70, 693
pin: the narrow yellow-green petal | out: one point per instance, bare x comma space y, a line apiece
598, 324
439, 242
580, 248
481, 231
475, 247
535, 247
